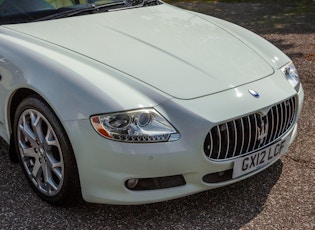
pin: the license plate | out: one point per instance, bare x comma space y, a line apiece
260, 158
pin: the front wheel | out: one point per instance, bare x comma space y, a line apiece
45, 152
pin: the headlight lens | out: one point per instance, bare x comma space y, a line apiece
138, 126
292, 76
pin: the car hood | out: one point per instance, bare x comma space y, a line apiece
173, 50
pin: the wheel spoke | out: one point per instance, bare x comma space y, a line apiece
45, 172
29, 152
52, 186
55, 168
50, 139
37, 169
49, 182
28, 133
37, 127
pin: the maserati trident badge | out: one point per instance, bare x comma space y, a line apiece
254, 93
262, 132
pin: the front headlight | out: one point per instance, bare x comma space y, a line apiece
138, 126
292, 76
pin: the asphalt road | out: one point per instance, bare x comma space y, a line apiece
281, 197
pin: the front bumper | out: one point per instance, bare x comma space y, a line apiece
105, 166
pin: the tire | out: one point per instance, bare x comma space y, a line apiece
45, 153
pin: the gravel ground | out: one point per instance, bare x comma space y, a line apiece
281, 197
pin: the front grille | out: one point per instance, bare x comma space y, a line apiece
250, 133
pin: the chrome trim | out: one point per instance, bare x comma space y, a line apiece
235, 141
239, 137
228, 140
273, 124
243, 134
250, 133
220, 142
256, 125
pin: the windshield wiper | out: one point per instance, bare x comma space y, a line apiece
80, 9
140, 3
151, 2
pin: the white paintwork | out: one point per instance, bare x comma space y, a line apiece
194, 69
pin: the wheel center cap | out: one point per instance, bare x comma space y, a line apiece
42, 151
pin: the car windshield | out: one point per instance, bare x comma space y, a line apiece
21, 11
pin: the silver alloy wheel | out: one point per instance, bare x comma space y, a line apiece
40, 152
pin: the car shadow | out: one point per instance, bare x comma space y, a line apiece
229, 207
223, 208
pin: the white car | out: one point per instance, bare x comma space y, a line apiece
131, 102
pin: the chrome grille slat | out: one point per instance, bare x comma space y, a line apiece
272, 126
276, 132
281, 119
285, 117
249, 133
243, 134
267, 127
211, 141
290, 114
261, 122
294, 108
220, 142
256, 133
228, 140
235, 139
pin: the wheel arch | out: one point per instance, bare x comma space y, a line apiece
14, 106
17, 97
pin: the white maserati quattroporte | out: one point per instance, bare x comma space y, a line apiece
137, 101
